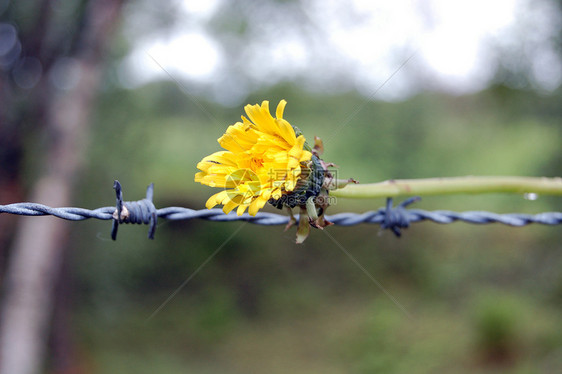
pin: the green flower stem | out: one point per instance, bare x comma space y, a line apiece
455, 185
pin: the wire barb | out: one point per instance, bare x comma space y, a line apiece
397, 218
393, 218
141, 211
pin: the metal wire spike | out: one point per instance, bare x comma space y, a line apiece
397, 218
140, 212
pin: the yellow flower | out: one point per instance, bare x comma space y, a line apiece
262, 161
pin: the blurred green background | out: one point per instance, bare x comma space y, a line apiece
472, 299
481, 298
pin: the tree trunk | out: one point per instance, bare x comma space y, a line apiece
36, 257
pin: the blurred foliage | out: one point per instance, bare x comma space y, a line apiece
480, 297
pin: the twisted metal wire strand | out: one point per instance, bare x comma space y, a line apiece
271, 219
389, 217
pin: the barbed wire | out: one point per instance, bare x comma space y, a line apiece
393, 218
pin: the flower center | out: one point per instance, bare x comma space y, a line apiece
256, 163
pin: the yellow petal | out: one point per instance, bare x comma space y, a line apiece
255, 207
276, 194
241, 209
305, 156
286, 131
280, 108
261, 117
229, 206
228, 142
217, 198
199, 176
222, 157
